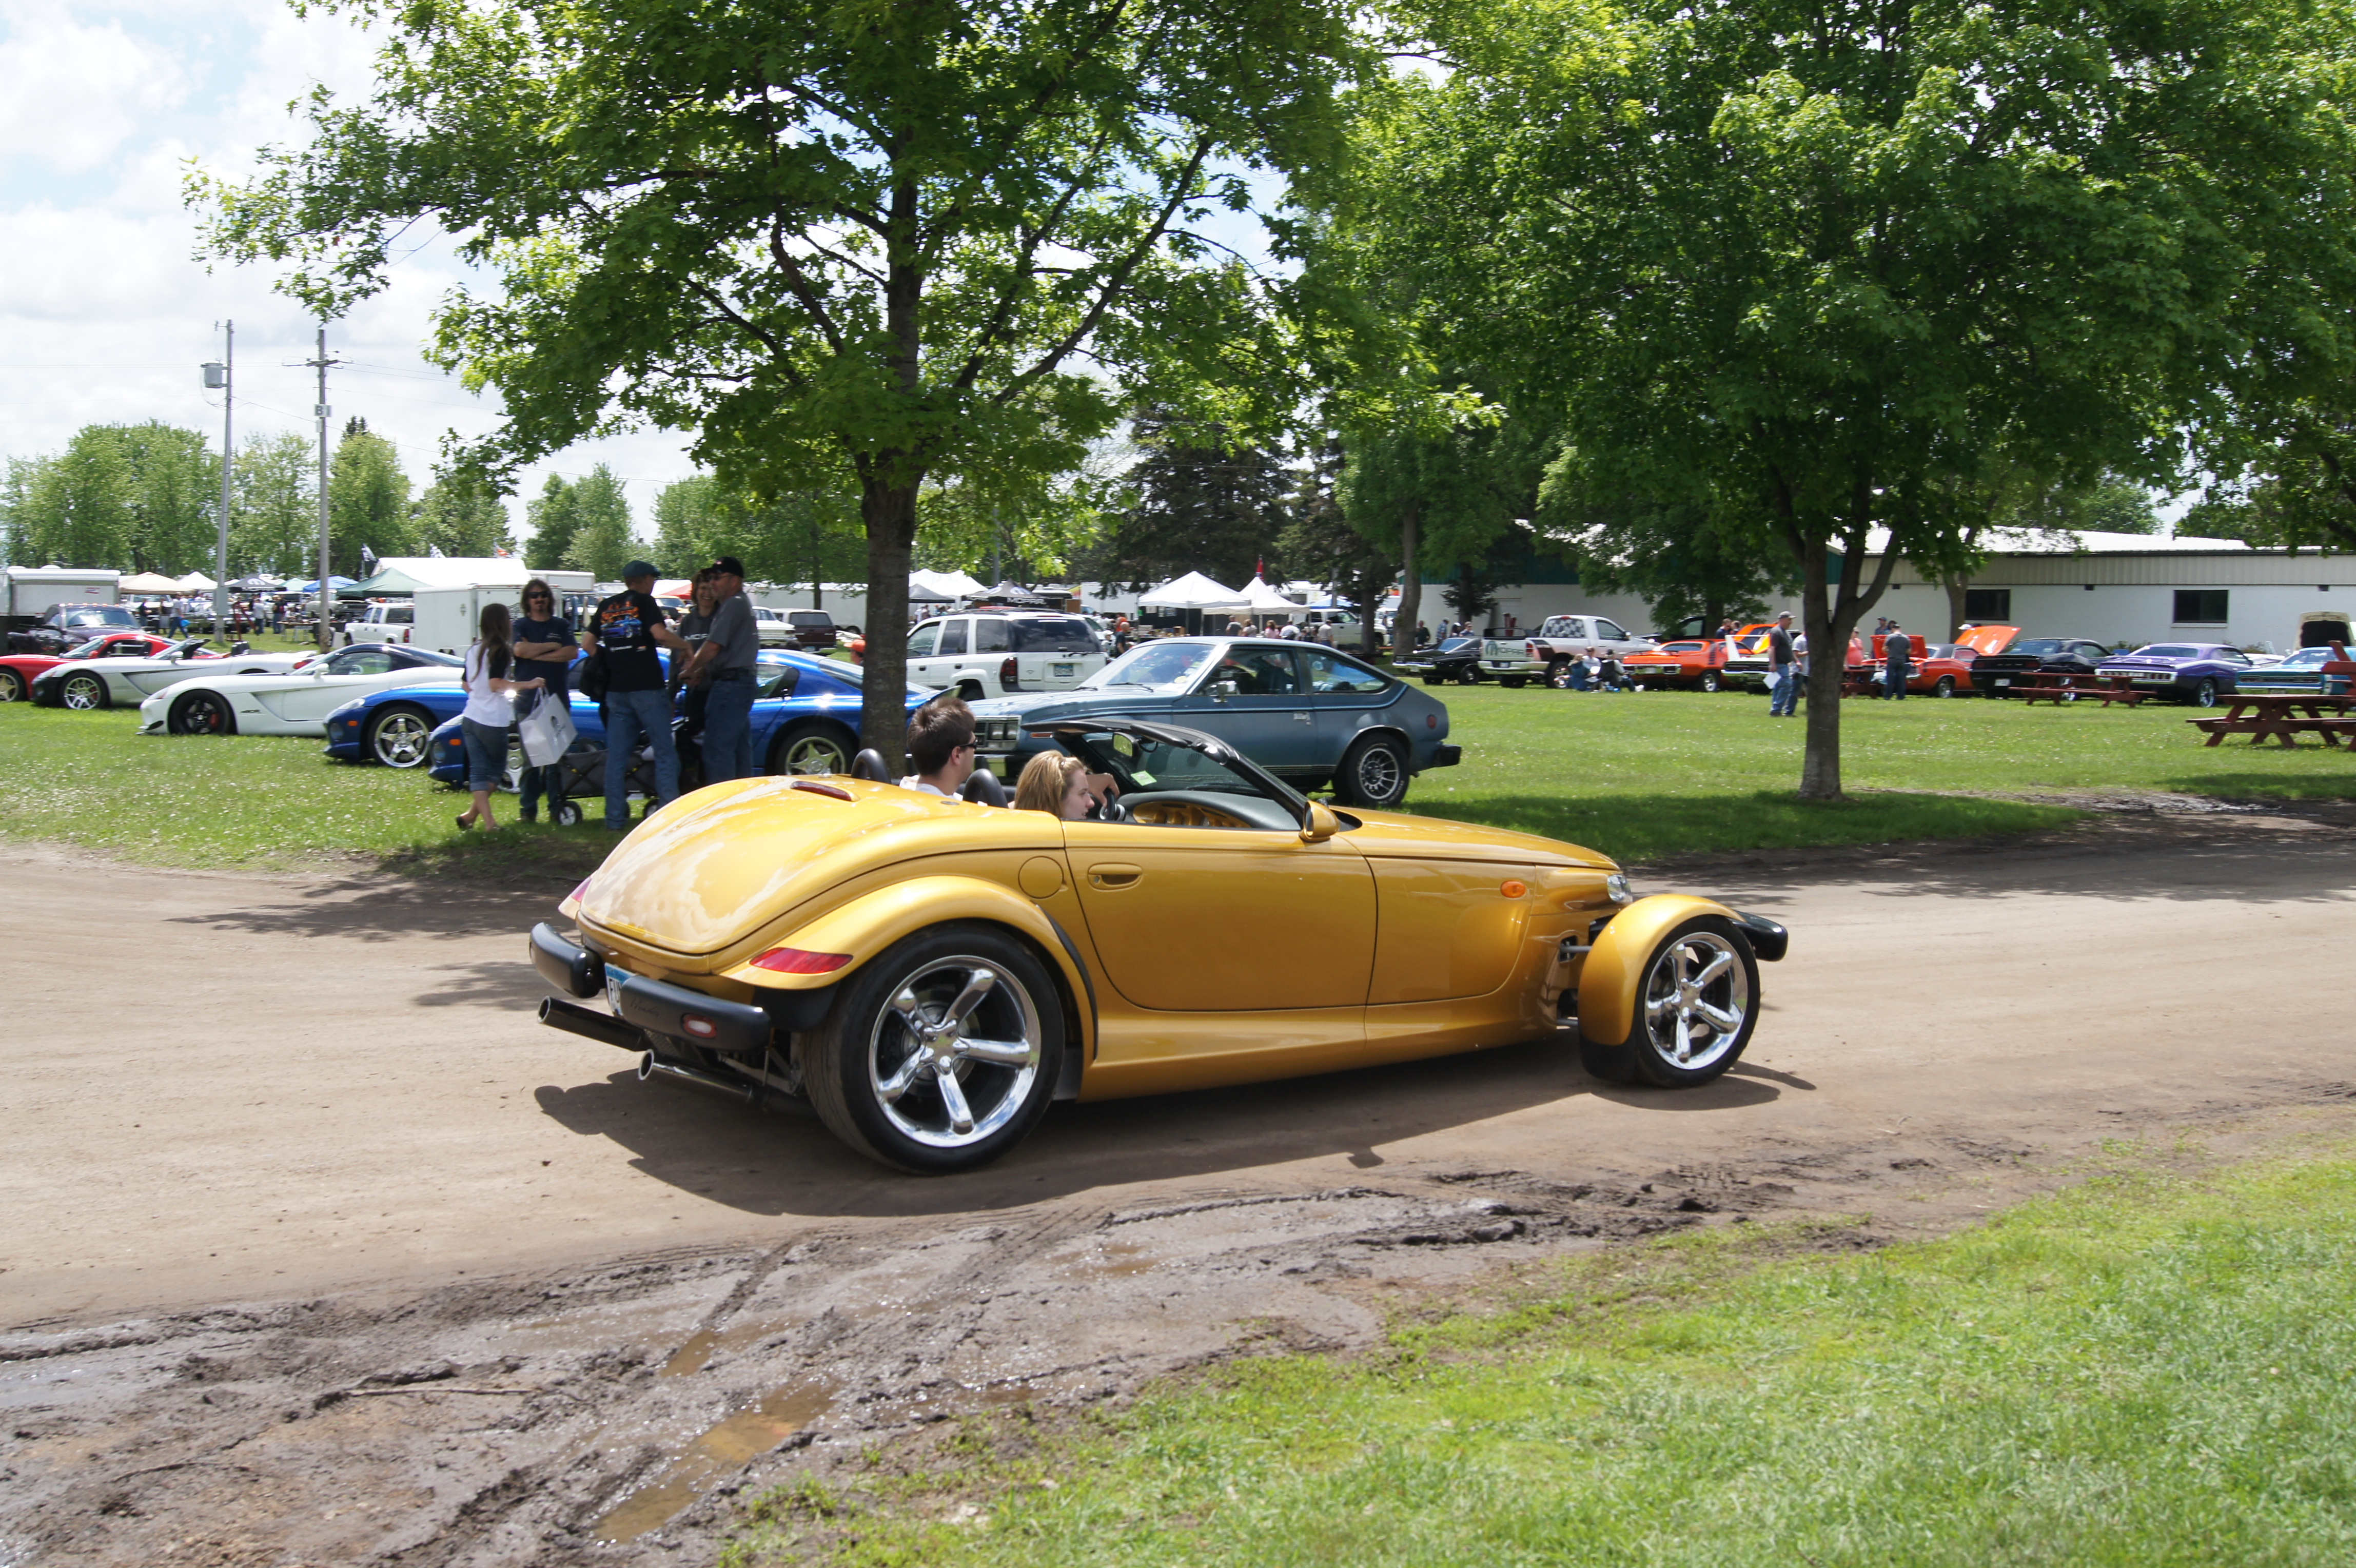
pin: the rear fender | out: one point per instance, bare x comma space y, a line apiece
1614, 971
871, 922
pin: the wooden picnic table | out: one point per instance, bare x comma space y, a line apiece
2281, 714
2057, 686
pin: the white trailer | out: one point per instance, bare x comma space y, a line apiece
33, 591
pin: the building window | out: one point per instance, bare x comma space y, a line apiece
1988, 604
2201, 606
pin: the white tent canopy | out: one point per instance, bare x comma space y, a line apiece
195, 583
947, 584
148, 583
1258, 595
1193, 592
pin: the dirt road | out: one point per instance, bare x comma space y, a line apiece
315, 1246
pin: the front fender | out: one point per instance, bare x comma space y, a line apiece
1615, 967
871, 922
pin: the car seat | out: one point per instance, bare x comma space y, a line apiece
869, 765
983, 788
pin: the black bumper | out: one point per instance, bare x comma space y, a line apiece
1769, 940
666, 1009
1446, 755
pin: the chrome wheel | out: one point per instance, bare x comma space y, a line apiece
813, 750
401, 737
953, 1053
1696, 1000
1373, 773
1946, 688
84, 693
12, 686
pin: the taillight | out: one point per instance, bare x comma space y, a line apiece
1009, 675
696, 1024
582, 891
1529, 651
794, 961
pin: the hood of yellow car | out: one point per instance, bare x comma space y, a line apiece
716, 867
1396, 834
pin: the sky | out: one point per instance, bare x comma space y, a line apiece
105, 314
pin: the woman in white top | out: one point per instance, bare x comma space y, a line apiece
490, 709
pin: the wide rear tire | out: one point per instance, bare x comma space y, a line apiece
1373, 774
1696, 1007
1709, 681
201, 712
898, 1074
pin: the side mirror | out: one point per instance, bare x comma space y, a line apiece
1323, 824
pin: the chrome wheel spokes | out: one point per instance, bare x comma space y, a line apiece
1696, 1000
401, 740
954, 1051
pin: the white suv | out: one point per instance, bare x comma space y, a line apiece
989, 653
388, 620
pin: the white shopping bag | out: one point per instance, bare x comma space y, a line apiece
546, 730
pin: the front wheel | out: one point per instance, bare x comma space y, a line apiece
84, 693
1373, 773
12, 686
1709, 681
201, 712
399, 736
941, 1055
1696, 1009
2205, 695
812, 746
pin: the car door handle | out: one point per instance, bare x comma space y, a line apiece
1111, 877
1304, 718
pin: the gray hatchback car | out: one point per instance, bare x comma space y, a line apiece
1307, 713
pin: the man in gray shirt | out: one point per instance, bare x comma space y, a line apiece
724, 665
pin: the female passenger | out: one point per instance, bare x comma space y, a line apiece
1055, 783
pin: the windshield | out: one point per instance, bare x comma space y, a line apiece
1156, 665
2306, 659
1145, 769
429, 656
2167, 650
2038, 646
1683, 646
104, 616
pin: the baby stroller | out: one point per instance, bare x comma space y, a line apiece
582, 773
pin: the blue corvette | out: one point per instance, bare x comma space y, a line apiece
806, 720
1306, 712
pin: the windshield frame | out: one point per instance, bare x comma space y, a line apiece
1079, 737
1185, 683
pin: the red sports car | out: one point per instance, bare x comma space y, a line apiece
1688, 661
17, 670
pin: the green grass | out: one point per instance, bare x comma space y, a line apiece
2142, 1371
255, 802
1634, 777
1639, 776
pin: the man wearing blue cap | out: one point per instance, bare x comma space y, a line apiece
626, 629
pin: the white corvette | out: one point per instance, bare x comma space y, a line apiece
107, 683
298, 703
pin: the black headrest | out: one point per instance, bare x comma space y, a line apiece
869, 765
983, 788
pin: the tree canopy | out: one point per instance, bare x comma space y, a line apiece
907, 238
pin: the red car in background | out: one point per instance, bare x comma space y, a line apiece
1945, 669
1688, 661
17, 670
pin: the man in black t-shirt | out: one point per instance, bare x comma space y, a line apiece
627, 628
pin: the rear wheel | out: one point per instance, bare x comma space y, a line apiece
1709, 681
1696, 1009
12, 686
84, 693
1558, 674
1511, 682
1944, 687
2205, 695
1373, 773
812, 746
201, 712
941, 1055
399, 734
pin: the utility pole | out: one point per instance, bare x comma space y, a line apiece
327, 588
226, 372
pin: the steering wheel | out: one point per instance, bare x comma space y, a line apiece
1114, 811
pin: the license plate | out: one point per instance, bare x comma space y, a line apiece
1065, 668
615, 979
2004, 680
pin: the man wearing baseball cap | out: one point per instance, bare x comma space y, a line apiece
726, 661
627, 629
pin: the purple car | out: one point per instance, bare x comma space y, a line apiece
2194, 673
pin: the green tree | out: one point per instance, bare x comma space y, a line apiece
1201, 504
368, 502
1815, 271
807, 539
175, 479
81, 507
554, 517
1319, 543
461, 514
274, 524
16, 490
911, 237
603, 541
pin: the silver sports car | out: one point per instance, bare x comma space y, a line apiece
103, 683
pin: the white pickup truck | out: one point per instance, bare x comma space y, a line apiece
1546, 654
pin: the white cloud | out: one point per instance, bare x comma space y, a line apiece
71, 93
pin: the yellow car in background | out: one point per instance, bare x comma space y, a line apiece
930, 973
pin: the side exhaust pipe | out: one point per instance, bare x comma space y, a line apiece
736, 1089
602, 1028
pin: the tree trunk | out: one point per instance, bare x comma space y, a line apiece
1956, 607
889, 512
1410, 581
1820, 775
